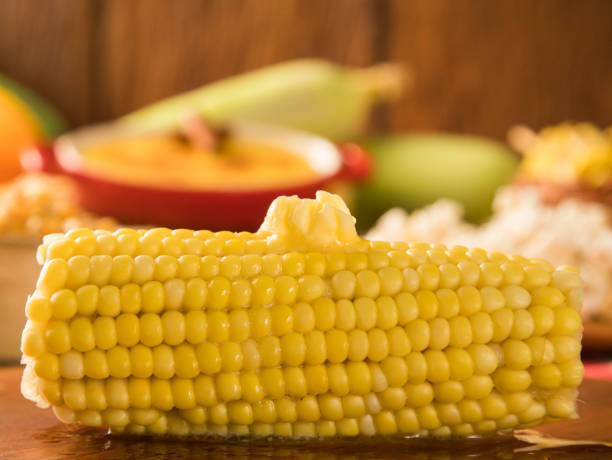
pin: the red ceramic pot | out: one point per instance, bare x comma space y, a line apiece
198, 209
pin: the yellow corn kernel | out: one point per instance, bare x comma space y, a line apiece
481, 327
391, 281
512, 380
219, 289
141, 359
62, 248
428, 304
419, 334
95, 394
325, 313
428, 417
129, 298
399, 343
47, 366
163, 362
517, 354
536, 276
365, 309
173, 326
337, 379
139, 391
470, 272
460, 362
547, 376
448, 392
251, 264
57, 337
121, 270
73, 392
503, 323
128, 329
230, 266
282, 319
378, 345
87, 299
183, 393
470, 300
567, 321
419, 394
438, 368
347, 427
38, 309
161, 394
189, 263
490, 274
492, 299
295, 381
95, 364
218, 327
359, 377
448, 303
174, 293
185, 361
484, 358
63, 304
270, 351
100, 269
411, 280
109, 302
209, 358
407, 308
71, 365
53, 276
564, 349
572, 373
286, 410
523, 325
81, 334
429, 276
386, 312
367, 284
448, 414
264, 411
204, 391
393, 398
143, 269
310, 287
477, 386
262, 291
118, 359
440, 333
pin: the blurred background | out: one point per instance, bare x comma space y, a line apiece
480, 66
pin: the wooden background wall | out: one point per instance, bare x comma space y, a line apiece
481, 65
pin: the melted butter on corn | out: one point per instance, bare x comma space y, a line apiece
299, 330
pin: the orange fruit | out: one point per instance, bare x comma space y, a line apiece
18, 130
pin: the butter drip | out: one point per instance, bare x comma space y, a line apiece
310, 224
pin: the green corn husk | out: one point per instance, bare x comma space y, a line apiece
310, 95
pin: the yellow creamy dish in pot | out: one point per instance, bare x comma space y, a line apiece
168, 161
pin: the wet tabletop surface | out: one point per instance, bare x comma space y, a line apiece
27, 432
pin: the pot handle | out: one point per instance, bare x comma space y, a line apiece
357, 165
40, 158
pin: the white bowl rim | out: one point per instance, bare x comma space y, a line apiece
323, 156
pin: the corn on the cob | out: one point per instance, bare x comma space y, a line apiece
301, 329
307, 94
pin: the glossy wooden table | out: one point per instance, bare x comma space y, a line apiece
27, 432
